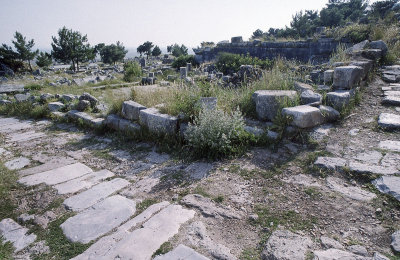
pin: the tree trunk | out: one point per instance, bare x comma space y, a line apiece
30, 67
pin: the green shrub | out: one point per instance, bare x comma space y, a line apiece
33, 86
229, 63
25, 110
181, 61
132, 71
216, 134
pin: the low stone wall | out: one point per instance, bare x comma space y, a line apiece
304, 51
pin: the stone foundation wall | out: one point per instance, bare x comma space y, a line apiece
304, 51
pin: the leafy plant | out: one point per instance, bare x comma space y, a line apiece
132, 71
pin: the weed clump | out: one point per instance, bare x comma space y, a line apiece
216, 134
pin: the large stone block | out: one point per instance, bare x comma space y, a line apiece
366, 66
304, 116
389, 121
346, 77
339, 99
328, 77
268, 102
131, 109
55, 106
301, 87
157, 122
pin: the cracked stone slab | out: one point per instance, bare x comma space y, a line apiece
15, 127
181, 252
330, 163
208, 208
99, 219
352, 192
390, 145
26, 136
363, 168
8, 121
83, 182
388, 185
52, 164
337, 254
16, 234
302, 179
143, 242
199, 170
56, 176
95, 194
17, 163
106, 243
371, 157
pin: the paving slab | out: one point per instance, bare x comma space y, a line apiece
56, 176
143, 242
106, 243
27, 136
388, 185
391, 100
330, 163
95, 194
352, 192
8, 121
8, 128
363, 168
99, 219
83, 182
12, 232
389, 121
390, 145
181, 252
52, 164
17, 163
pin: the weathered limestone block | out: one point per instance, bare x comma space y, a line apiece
328, 77
55, 106
389, 121
131, 109
338, 99
329, 113
301, 87
346, 77
157, 122
268, 102
86, 96
366, 66
381, 45
304, 116
309, 96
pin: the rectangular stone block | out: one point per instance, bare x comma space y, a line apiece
99, 219
304, 116
158, 123
57, 175
346, 77
338, 99
131, 109
268, 102
95, 194
16, 234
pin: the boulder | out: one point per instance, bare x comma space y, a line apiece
396, 241
268, 102
68, 97
55, 106
131, 109
93, 101
157, 122
82, 105
285, 245
381, 45
346, 77
208, 102
304, 116
46, 96
22, 97
389, 185
309, 96
373, 54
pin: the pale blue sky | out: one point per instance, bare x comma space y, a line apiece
135, 21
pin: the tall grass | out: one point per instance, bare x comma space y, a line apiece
340, 54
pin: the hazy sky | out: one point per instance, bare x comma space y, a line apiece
134, 21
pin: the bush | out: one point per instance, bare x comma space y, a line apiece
229, 63
216, 134
132, 71
181, 61
33, 86
25, 110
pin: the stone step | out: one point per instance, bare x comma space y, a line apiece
17, 163
26, 136
104, 244
8, 121
56, 176
83, 182
8, 128
388, 185
181, 252
389, 121
99, 219
12, 232
95, 194
390, 145
143, 242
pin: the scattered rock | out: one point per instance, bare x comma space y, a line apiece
396, 241
388, 185
328, 242
16, 234
358, 250
18, 163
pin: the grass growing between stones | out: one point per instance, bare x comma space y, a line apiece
142, 206
60, 247
6, 250
164, 248
8, 182
24, 110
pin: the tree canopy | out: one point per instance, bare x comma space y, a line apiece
177, 50
112, 53
71, 46
145, 48
44, 60
10, 58
24, 48
156, 51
